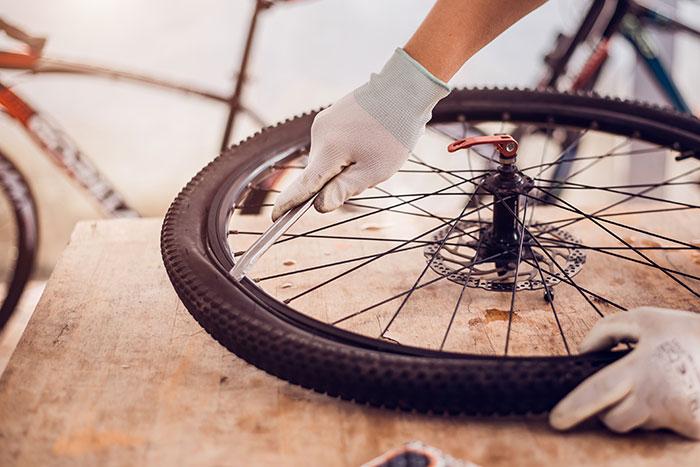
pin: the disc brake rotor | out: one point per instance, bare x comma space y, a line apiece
463, 260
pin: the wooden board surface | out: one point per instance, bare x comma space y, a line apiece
112, 370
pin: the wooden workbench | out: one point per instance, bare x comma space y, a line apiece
112, 370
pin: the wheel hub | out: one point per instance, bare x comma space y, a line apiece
502, 254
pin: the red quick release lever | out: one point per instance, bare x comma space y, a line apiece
505, 144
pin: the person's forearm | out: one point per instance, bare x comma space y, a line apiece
454, 30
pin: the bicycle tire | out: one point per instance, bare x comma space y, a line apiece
458, 384
13, 185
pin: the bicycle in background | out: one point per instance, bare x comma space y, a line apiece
19, 233
603, 21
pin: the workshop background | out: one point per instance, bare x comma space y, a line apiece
306, 54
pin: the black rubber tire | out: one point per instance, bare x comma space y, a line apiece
465, 384
14, 187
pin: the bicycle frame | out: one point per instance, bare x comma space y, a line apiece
631, 20
633, 28
64, 152
56, 144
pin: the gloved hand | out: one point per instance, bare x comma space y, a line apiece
365, 137
656, 386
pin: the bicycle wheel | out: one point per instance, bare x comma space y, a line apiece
18, 236
404, 300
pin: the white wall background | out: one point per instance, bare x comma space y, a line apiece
307, 54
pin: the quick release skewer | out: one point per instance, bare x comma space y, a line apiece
506, 146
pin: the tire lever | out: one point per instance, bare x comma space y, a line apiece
268, 238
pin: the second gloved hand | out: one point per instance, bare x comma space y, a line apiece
656, 386
365, 137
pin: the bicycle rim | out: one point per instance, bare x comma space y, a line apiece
489, 303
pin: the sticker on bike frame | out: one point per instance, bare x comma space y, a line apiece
66, 155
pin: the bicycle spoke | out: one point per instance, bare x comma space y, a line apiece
544, 152
558, 266
585, 216
560, 157
425, 269
364, 263
424, 211
579, 186
421, 244
471, 267
397, 211
652, 262
647, 190
459, 299
602, 249
550, 300
632, 260
339, 237
640, 195
582, 290
596, 161
607, 155
425, 284
362, 216
417, 171
406, 195
440, 172
515, 277
615, 214
561, 243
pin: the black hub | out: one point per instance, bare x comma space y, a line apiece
503, 238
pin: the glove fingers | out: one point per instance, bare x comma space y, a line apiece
315, 175
609, 331
598, 392
345, 185
292, 196
626, 415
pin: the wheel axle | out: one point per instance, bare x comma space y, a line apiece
506, 184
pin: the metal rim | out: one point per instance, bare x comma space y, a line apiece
220, 213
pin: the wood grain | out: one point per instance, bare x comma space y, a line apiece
112, 370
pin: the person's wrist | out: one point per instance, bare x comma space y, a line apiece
407, 56
401, 97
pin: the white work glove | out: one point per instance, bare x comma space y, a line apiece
365, 137
656, 386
